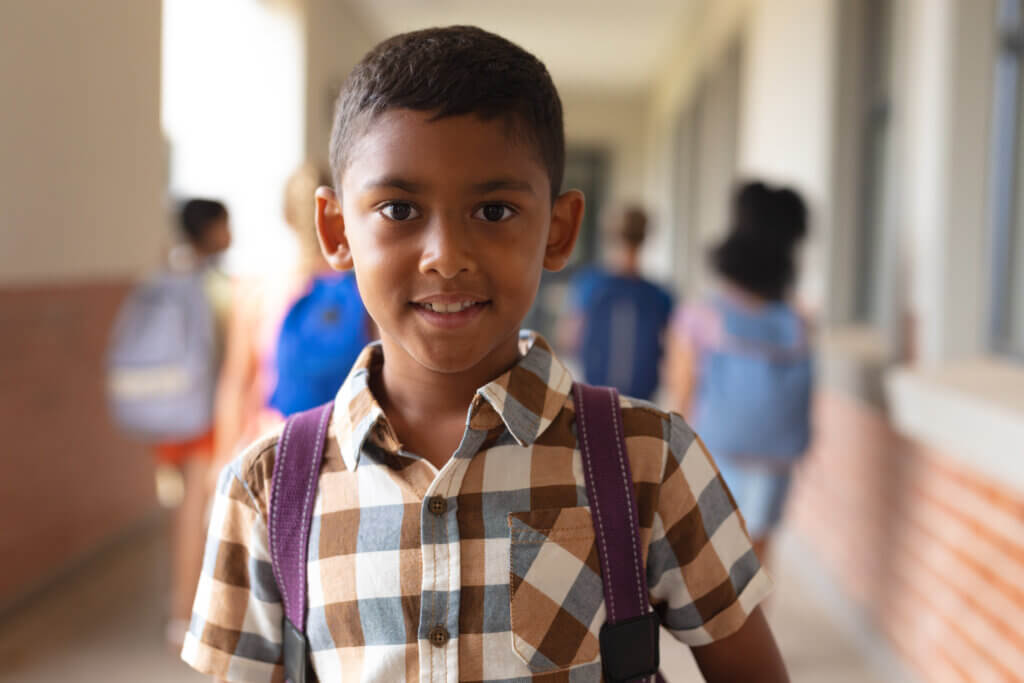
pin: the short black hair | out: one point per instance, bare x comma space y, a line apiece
453, 71
758, 254
197, 215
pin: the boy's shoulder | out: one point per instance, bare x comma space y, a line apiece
249, 474
642, 418
648, 430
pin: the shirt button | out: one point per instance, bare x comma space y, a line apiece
439, 636
438, 505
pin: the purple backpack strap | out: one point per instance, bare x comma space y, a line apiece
293, 492
629, 637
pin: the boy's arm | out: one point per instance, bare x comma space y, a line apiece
680, 371
235, 630
750, 654
704, 578
238, 370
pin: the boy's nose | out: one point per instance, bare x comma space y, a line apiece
448, 249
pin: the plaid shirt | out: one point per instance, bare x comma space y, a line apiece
486, 570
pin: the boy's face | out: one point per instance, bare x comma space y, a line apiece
448, 224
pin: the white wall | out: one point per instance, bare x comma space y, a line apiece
787, 117
786, 109
336, 39
82, 162
615, 122
702, 43
795, 128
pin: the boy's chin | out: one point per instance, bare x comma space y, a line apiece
455, 358
449, 361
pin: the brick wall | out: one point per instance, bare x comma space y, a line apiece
68, 481
930, 551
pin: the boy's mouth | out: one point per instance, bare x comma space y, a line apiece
450, 310
454, 307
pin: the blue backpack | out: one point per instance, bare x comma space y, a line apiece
321, 338
754, 398
162, 359
621, 343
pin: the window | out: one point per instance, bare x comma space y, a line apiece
869, 305
586, 169
684, 197
706, 139
1007, 324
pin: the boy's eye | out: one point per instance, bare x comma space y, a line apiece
494, 213
399, 211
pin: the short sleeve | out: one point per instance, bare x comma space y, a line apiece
703, 575
698, 324
235, 631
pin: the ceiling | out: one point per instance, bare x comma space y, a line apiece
605, 45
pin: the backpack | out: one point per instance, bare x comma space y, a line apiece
621, 345
628, 640
755, 393
162, 359
321, 337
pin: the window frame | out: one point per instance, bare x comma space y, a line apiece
1007, 157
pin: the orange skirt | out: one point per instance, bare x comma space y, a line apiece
177, 452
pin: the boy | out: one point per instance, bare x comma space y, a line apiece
447, 156
617, 318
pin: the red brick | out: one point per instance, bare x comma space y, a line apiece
68, 480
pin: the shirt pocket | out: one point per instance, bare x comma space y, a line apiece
555, 588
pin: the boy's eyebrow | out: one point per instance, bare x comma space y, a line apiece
413, 187
503, 184
409, 186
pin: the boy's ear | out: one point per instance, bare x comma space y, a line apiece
330, 229
566, 216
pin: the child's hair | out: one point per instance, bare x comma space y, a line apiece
628, 224
197, 215
758, 253
299, 191
453, 71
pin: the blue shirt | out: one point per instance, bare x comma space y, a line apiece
624, 318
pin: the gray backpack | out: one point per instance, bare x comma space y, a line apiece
162, 365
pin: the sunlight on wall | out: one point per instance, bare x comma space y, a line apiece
233, 112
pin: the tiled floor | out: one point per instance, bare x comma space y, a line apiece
106, 625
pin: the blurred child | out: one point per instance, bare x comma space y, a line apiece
739, 361
183, 466
246, 405
451, 538
617, 319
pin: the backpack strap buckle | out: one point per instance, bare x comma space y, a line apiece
297, 667
629, 649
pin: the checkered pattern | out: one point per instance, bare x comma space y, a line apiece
556, 589
508, 569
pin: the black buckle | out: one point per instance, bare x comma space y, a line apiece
298, 668
629, 649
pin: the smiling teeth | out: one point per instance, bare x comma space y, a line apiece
448, 308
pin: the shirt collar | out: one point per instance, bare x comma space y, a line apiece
527, 399
357, 414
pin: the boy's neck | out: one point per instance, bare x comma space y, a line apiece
625, 261
419, 402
